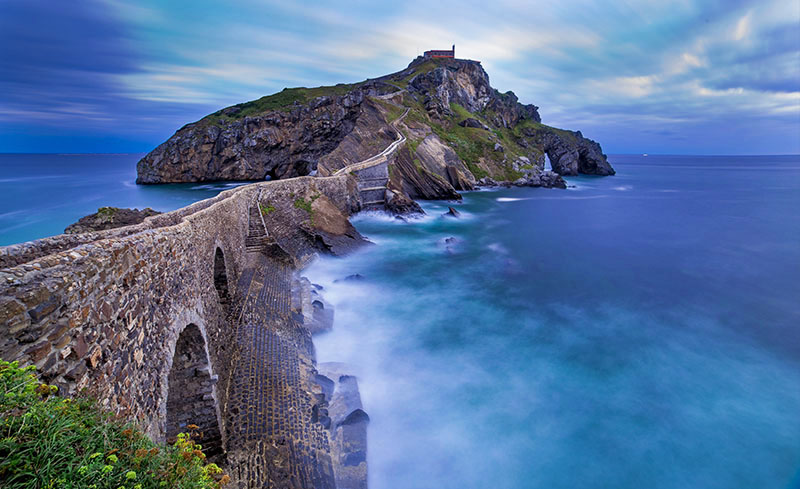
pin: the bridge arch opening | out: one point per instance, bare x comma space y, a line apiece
221, 278
191, 398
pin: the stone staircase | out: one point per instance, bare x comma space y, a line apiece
372, 184
259, 241
257, 237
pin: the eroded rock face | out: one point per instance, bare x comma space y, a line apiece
417, 182
570, 153
277, 144
109, 218
457, 81
500, 137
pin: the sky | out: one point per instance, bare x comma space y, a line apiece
673, 77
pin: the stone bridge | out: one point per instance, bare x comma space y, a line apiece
194, 316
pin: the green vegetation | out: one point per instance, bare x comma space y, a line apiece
266, 209
304, 204
393, 111
564, 134
50, 442
283, 100
425, 67
418, 166
106, 212
413, 144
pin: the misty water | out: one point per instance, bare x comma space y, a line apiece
637, 331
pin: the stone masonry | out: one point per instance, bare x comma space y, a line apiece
187, 319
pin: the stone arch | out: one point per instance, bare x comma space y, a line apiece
191, 395
221, 278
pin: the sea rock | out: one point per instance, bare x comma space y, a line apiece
109, 218
356, 277
348, 425
569, 152
400, 204
451, 213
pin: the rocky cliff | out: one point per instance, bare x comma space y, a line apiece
459, 131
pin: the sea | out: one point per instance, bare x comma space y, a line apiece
634, 331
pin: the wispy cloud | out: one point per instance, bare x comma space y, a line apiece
632, 73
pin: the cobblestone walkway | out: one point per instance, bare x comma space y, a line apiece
273, 437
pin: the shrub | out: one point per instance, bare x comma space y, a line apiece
47, 441
266, 209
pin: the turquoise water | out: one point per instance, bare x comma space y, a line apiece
41, 194
637, 331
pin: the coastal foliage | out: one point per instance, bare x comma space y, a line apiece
266, 209
283, 100
304, 204
47, 441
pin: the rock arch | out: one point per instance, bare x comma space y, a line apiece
191, 396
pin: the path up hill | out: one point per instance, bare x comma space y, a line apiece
457, 130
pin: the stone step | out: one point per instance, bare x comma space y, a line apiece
374, 194
375, 202
362, 182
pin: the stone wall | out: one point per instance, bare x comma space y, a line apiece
102, 312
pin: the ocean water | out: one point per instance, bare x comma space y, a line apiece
636, 331
41, 194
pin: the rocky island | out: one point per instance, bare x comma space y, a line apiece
458, 131
199, 317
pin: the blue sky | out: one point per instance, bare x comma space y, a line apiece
684, 76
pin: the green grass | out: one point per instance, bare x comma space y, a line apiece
568, 136
304, 204
266, 209
413, 144
106, 212
51, 442
463, 113
425, 67
283, 100
393, 112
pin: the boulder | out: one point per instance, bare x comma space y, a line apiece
474, 123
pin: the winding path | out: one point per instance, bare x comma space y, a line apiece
372, 174
380, 157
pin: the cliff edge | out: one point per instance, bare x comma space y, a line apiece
458, 128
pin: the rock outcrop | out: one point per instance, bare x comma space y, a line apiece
109, 218
455, 127
570, 153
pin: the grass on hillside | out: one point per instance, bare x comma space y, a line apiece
266, 209
283, 100
393, 112
49, 442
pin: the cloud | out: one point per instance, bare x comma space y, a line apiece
142, 69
